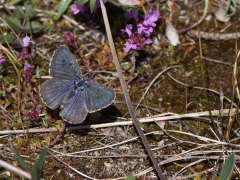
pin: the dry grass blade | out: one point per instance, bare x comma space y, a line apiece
167, 117
14, 169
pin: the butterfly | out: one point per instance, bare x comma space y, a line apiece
70, 91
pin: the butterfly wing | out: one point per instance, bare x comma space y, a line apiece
63, 65
74, 109
54, 90
98, 96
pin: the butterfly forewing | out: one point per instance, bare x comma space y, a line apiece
98, 96
63, 65
54, 90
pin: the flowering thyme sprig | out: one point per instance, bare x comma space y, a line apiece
70, 40
138, 39
25, 57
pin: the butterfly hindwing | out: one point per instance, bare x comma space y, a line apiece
98, 96
74, 108
54, 90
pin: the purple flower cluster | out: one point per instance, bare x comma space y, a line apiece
138, 39
33, 114
70, 40
25, 57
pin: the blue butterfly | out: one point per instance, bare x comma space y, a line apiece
68, 89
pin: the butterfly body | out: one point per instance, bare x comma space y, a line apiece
68, 90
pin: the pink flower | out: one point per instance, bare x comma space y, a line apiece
25, 41
2, 60
128, 29
27, 67
24, 55
151, 18
77, 9
145, 30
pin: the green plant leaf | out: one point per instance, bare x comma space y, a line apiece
30, 11
9, 38
35, 2
41, 159
63, 7
127, 66
37, 168
141, 125
36, 27
228, 168
140, 70
20, 159
130, 176
12, 2
19, 12
14, 23
81, 3
135, 74
35, 172
92, 5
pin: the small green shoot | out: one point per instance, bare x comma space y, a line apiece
81, 3
171, 48
21, 161
228, 168
92, 5
37, 167
63, 7
130, 176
